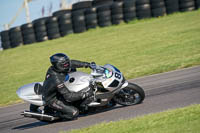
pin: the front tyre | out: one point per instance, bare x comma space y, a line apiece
130, 95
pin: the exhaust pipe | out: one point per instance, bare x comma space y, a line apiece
39, 116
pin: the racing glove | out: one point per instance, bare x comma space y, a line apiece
92, 65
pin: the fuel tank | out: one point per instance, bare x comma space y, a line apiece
78, 81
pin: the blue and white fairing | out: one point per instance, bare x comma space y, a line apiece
113, 77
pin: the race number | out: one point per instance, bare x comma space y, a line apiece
117, 75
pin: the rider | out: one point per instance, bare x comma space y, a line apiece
55, 93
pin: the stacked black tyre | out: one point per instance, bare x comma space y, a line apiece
129, 10
197, 4
65, 24
158, 8
186, 5
172, 6
40, 29
5, 39
82, 5
143, 9
104, 15
78, 19
97, 3
15, 37
52, 28
117, 12
28, 33
91, 18
60, 12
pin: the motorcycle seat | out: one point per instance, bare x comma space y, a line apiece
38, 88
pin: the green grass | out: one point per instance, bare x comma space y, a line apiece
139, 48
184, 120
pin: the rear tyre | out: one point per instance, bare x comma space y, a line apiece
130, 95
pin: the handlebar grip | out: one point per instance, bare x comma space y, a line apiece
93, 65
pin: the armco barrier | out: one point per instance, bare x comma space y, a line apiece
90, 14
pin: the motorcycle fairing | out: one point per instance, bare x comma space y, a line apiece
115, 80
28, 94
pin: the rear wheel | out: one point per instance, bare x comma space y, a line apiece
130, 95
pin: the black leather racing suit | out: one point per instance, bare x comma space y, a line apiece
54, 89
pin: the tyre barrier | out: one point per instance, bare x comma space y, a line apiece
81, 5
28, 33
158, 8
52, 28
15, 36
97, 3
143, 9
197, 4
40, 29
172, 6
90, 14
129, 10
78, 19
91, 18
186, 5
5, 39
61, 12
65, 24
117, 12
104, 15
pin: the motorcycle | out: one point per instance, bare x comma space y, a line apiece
109, 87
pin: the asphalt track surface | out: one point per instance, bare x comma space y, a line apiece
163, 91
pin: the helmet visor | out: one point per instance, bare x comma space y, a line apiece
65, 65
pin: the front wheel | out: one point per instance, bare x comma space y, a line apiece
130, 95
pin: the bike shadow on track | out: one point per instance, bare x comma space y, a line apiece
31, 125
41, 123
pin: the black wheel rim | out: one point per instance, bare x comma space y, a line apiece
128, 97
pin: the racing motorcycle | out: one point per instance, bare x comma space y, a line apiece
108, 83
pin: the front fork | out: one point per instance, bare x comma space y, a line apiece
94, 87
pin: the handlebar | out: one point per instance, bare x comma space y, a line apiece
97, 70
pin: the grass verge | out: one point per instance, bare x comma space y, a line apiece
139, 48
184, 120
